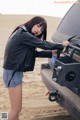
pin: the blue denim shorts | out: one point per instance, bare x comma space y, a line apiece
16, 80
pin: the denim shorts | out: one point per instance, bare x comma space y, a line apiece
16, 79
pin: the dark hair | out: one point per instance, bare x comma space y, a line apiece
34, 21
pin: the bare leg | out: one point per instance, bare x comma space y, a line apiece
15, 94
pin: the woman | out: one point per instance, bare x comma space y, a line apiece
20, 54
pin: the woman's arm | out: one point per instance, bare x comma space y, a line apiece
31, 40
43, 54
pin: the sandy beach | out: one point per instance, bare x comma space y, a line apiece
36, 105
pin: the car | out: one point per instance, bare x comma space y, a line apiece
63, 79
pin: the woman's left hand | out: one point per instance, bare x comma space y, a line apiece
65, 43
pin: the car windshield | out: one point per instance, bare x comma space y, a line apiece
70, 25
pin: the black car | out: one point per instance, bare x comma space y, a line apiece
63, 79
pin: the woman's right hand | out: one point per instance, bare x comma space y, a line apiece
54, 52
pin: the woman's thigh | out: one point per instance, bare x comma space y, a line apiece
15, 94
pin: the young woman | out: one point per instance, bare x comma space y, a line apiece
19, 57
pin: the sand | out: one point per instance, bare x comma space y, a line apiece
36, 105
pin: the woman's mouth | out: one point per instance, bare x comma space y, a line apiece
36, 33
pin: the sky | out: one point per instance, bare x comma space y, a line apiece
33, 7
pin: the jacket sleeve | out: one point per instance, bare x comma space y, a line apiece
43, 54
31, 40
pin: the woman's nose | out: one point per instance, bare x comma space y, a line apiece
39, 30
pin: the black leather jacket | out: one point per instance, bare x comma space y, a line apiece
20, 52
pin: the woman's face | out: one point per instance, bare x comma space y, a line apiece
37, 29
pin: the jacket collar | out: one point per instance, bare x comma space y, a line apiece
24, 28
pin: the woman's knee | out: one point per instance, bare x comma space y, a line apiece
15, 112
13, 115
18, 110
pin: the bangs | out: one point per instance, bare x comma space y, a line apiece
43, 25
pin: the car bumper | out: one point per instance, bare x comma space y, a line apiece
68, 99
